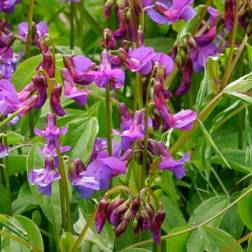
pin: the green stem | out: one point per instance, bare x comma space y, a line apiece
184, 137
65, 192
72, 32
27, 54
30, 19
146, 133
7, 178
83, 232
19, 240
194, 227
108, 119
228, 68
62, 204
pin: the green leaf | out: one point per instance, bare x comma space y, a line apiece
244, 208
80, 136
176, 218
236, 158
219, 241
4, 200
208, 209
25, 71
240, 96
32, 230
104, 243
177, 243
11, 226
196, 241
24, 200
17, 164
211, 141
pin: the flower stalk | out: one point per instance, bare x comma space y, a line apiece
108, 118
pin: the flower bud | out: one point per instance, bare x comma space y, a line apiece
55, 101
101, 214
121, 227
108, 41
135, 207
107, 8
117, 213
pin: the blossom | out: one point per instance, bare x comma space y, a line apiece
41, 30
51, 134
167, 11
43, 178
9, 101
139, 60
8, 62
55, 100
8, 5
100, 170
81, 68
70, 89
167, 162
107, 75
3, 151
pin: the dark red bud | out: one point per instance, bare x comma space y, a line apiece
101, 214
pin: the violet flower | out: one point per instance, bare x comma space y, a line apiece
100, 170
182, 120
84, 185
169, 11
139, 60
8, 62
41, 30
81, 68
3, 151
8, 5
52, 134
9, 101
107, 75
70, 89
167, 162
43, 178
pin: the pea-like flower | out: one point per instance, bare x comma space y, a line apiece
169, 11
43, 178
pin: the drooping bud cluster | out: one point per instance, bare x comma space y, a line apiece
120, 211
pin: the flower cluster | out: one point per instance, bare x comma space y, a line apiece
119, 212
43, 178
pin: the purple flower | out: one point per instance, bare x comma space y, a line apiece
41, 30
51, 134
70, 89
175, 166
84, 185
106, 75
132, 129
100, 170
43, 178
182, 120
81, 68
8, 5
139, 60
167, 11
8, 63
167, 162
9, 101
164, 61
3, 151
